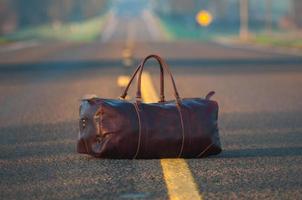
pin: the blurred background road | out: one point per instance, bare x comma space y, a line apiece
49, 61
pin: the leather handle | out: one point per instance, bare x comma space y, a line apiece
165, 66
162, 95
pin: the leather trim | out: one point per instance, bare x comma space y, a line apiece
98, 123
209, 95
139, 130
183, 131
201, 153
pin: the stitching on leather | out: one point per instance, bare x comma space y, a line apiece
99, 125
96, 121
199, 155
183, 131
139, 132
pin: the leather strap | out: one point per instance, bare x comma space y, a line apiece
123, 96
162, 95
209, 95
140, 68
139, 130
182, 130
165, 66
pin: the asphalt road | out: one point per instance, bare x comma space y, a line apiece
259, 94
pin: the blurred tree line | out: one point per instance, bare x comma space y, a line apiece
16, 14
297, 12
281, 13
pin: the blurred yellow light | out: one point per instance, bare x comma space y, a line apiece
204, 18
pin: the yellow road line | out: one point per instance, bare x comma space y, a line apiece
122, 81
179, 180
177, 175
148, 91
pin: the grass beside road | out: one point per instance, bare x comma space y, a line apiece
3, 41
175, 30
277, 40
86, 31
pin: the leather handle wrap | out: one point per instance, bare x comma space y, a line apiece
162, 95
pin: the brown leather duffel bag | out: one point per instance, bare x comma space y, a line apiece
117, 128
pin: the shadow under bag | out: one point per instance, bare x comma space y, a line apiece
120, 129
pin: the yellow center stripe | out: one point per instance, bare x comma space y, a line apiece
177, 175
123, 81
148, 92
179, 180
